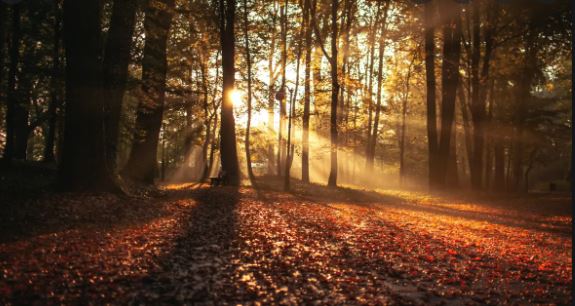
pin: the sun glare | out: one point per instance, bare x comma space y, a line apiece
237, 97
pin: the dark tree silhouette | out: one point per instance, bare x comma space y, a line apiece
228, 150
142, 163
83, 164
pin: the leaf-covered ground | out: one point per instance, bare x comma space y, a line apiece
314, 245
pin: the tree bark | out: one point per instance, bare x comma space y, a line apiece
249, 102
450, 79
228, 150
83, 164
116, 62
372, 142
477, 105
332, 180
271, 94
13, 107
432, 141
55, 83
307, 92
207, 122
3, 40
142, 163
282, 149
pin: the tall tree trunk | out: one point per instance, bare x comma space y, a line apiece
83, 164
347, 19
449, 81
249, 120
452, 174
13, 106
499, 172
228, 150
489, 140
116, 62
3, 32
372, 35
207, 122
375, 131
23, 97
403, 126
432, 141
282, 149
293, 99
332, 180
142, 163
463, 107
477, 105
214, 144
271, 93
55, 83
307, 92
523, 95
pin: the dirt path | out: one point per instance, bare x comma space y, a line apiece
229, 246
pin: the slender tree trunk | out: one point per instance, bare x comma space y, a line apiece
372, 35
466, 124
489, 140
142, 163
12, 99
3, 17
452, 174
271, 94
523, 96
499, 172
249, 122
429, 33
214, 144
282, 149
228, 150
207, 123
375, 131
307, 92
403, 127
116, 62
293, 99
55, 83
22, 107
332, 180
83, 165
450, 79
477, 105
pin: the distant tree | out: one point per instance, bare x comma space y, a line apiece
56, 86
307, 89
372, 140
249, 98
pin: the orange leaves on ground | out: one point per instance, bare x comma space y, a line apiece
223, 245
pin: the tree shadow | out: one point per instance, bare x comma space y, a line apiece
195, 268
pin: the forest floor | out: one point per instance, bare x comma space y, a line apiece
314, 245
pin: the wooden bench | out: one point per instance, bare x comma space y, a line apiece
218, 181
215, 181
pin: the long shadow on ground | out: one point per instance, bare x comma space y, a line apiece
196, 268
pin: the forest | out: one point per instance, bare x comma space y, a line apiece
293, 152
